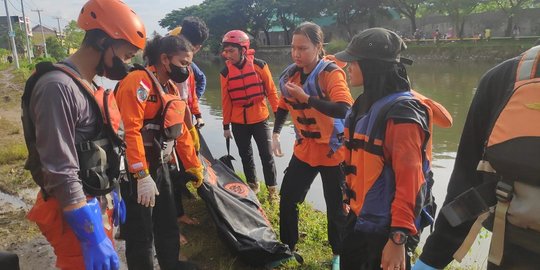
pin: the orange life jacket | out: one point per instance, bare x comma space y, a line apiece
160, 132
99, 157
244, 85
309, 122
369, 178
512, 157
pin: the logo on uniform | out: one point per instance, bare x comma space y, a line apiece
142, 94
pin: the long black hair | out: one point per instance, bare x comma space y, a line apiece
169, 45
381, 78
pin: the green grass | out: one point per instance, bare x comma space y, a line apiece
206, 249
13, 153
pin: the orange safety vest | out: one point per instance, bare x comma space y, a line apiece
244, 85
309, 122
160, 131
99, 157
369, 178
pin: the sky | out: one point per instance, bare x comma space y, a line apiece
151, 11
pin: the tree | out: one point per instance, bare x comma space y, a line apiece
510, 9
74, 36
408, 8
458, 10
347, 13
55, 48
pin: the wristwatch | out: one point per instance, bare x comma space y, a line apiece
141, 174
398, 237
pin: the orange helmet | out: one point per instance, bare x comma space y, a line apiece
114, 18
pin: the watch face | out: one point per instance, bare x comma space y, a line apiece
399, 238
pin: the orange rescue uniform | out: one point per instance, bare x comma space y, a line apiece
137, 107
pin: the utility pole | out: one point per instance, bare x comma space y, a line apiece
59, 29
28, 48
11, 35
42, 34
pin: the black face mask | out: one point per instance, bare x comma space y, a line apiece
118, 71
178, 74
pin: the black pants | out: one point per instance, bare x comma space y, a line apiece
363, 251
261, 132
145, 225
296, 182
178, 182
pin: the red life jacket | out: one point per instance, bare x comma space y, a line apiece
99, 157
245, 87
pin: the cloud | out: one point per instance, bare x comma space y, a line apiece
151, 11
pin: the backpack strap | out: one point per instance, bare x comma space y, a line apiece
528, 64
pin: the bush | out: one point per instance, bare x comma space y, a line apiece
335, 46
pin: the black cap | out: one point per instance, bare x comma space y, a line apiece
373, 43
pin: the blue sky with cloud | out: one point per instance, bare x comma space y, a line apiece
151, 11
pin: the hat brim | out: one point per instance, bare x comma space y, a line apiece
345, 57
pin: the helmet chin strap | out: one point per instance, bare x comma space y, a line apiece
100, 68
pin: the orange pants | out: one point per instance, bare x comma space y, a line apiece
48, 216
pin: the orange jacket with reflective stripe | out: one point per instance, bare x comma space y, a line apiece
234, 113
139, 101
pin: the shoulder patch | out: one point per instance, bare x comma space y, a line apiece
142, 94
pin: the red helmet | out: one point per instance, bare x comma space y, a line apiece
237, 37
115, 18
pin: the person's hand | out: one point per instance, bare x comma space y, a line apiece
276, 145
199, 123
393, 256
420, 265
198, 176
227, 134
119, 212
147, 191
297, 92
87, 225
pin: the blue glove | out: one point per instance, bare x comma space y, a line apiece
119, 212
87, 225
420, 265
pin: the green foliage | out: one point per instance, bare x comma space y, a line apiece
335, 46
55, 48
74, 36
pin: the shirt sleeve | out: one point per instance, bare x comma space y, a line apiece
269, 87
336, 87
403, 148
55, 114
132, 107
200, 80
226, 103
